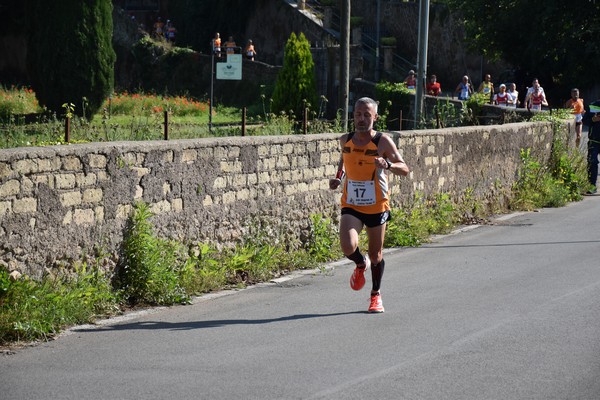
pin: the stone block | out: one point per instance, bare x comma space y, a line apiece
189, 156
92, 195
177, 205
220, 183
25, 205
49, 164
65, 181
98, 161
68, 218
27, 186
231, 167
25, 167
10, 188
5, 208
141, 171
229, 197
84, 217
99, 214
70, 199
5, 170
71, 163
86, 180
161, 207
168, 156
123, 211
243, 194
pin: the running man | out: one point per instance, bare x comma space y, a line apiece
367, 156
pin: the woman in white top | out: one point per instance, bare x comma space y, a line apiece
513, 95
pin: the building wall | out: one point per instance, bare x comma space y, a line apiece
63, 203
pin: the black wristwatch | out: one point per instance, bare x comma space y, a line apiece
389, 164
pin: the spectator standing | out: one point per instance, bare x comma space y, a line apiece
249, 51
216, 45
170, 32
591, 118
577, 108
433, 87
464, 89
159, 28
501, 98
230, 46
513, 100
487, 87
411, 81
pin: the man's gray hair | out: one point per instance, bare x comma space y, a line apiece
368, 101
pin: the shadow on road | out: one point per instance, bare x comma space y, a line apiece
188, 325
434, 246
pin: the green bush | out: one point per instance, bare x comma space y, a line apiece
295, 88
392, 98
150, 273
31, 310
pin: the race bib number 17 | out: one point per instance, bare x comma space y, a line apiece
361, 193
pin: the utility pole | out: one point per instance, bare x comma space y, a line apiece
345, 62
422, 58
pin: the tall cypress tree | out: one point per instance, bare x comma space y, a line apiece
70, 55
296, 82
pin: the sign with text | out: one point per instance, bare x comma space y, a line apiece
232, 69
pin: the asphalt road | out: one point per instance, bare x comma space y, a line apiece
503, 311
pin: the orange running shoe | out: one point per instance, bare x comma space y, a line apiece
357, 280
376, 305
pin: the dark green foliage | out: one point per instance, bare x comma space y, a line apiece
296, 84
392, 98
197, 21
70, 55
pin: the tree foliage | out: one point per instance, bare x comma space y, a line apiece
555, 40
70, 56
296, 83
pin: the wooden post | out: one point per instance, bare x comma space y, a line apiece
400, 121
166, 129
437, 118
244, 121
305, 121
67, 130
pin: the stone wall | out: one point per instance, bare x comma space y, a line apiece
62, 203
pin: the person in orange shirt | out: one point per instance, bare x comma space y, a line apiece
433, 87
367, 157
577, 107
216, 45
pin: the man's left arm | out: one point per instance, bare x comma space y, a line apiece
391, 158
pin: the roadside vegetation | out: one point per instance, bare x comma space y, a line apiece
155, 271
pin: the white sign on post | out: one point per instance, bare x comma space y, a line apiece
232, 69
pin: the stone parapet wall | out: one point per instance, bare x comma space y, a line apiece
62, 203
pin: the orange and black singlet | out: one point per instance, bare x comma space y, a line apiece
366, 187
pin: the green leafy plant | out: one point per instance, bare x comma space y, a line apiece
150, 271
32, 310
